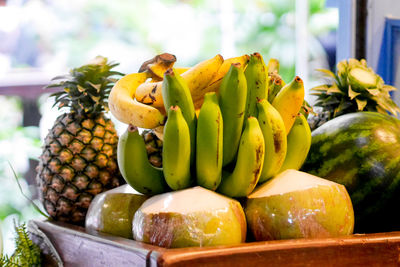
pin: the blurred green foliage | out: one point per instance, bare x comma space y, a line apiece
130, 32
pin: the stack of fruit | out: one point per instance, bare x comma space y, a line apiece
220, 130
226, 125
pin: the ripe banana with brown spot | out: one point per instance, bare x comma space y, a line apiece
289, 101
158, 65
250, 159
126, 109
197, 78
274, 133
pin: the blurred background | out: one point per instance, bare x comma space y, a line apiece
40, 39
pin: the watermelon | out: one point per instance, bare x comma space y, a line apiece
362, 151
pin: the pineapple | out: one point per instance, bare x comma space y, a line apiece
79, 158
355, 87
153, 147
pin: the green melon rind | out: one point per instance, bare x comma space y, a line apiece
361, 151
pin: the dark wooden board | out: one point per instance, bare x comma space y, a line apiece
78, 248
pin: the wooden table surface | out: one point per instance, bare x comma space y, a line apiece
78, 248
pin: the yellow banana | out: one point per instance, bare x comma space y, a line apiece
250, 159
181, 70
232, 101
209, 143
273, 66
298, 144
158, 65
175, 92
274, 133
135, 166
197, 78
257, 88
289, 100
126, 109
176, 150
214, 85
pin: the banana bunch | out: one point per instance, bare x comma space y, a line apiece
227, 125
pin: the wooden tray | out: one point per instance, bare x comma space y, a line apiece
78, 248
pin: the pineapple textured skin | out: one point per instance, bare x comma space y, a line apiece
79, 161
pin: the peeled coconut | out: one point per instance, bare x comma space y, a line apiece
193, 217
296, 204
112, 211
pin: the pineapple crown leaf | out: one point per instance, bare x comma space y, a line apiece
361, 104
86, 88
354, 87
351, 93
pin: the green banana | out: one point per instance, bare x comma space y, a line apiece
275, 84
257, 87
175, 92
135, 166
306, 109
298, 144
274, 133
176, 150
209, 143
250, 159
232, 102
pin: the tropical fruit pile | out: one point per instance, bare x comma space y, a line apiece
226, 125
216, 131
213, 151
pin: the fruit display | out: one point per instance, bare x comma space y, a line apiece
79, 158
112, 211
190, 217
200, 142
218, 128
295, 204
354, 87
362, 151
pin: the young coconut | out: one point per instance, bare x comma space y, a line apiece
194, 217
112, 211
296, 204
